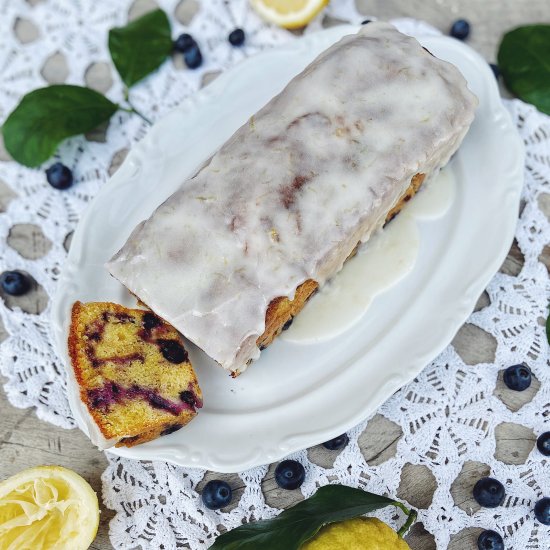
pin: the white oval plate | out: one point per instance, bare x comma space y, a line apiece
297, 395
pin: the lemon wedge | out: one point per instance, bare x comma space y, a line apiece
290, 14
47, 508
356, 534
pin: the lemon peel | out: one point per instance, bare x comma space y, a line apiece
356, 534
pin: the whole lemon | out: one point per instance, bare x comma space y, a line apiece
356, 534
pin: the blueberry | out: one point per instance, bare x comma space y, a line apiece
193, 57
490, 540
460, 29
495, 69
171, 428
15, 283
236, 37
517, 377
188, 397
542, 511
337, 443
543, 443
216, 494
157, 401
289, 474
150, 321
59, 176
172, 351
183, 42
489, 492
287, 325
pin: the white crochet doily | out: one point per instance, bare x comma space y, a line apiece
443, 413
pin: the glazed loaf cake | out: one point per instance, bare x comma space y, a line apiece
238, 248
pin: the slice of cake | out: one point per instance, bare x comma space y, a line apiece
133, 371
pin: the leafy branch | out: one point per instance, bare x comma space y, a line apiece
293, 527
47, 116
131, 108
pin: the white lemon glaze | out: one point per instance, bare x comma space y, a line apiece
291, 193
379, 264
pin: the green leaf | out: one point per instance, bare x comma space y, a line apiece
524, 60
47, 116
294, 526
141, 46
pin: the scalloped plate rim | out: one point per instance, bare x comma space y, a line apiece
269, 451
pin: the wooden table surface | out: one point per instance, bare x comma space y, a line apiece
26, 441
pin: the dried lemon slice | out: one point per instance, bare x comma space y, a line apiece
290, 14
46, 508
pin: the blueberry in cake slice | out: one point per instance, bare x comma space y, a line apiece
133, 372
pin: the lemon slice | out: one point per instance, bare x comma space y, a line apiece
290, 14
46, 508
